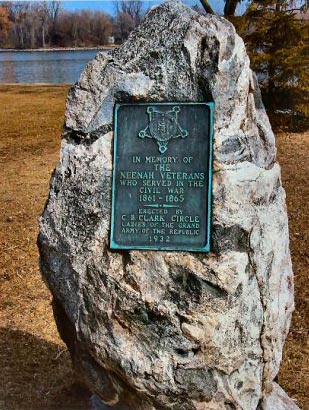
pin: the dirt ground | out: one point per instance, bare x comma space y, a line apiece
35, 368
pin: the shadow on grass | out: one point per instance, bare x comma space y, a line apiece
37, 374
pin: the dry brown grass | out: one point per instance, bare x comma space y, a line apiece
293, 150
35, 369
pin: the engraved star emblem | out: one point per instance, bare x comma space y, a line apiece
162, 127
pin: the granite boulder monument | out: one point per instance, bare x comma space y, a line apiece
172, 326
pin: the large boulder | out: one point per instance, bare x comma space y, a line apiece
152, 330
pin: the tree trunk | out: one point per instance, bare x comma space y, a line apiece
207, 7
21, 36
32, 37
230, 7
43, 36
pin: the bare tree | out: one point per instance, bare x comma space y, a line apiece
53, 11
20, 12
231, 6
53, 8
129, 14
133, 8
124, 24
43, 15
5, 22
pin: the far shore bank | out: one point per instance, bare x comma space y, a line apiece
99, 48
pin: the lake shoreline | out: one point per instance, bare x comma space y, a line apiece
101, 48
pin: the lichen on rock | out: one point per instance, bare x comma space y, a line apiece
151, 330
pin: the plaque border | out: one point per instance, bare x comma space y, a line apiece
207, 247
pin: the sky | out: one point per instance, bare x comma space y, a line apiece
109, 6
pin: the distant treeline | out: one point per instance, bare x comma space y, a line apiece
46, 24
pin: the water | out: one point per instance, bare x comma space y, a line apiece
52, 67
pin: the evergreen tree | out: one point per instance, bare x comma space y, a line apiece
276, 37
276, 34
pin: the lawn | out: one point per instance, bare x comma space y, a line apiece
35, 369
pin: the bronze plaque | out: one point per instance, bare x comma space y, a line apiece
162, 176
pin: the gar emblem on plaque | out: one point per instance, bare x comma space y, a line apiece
163, 126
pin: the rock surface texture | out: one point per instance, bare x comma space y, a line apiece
173, 330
